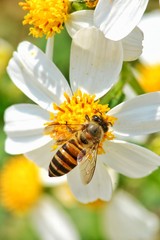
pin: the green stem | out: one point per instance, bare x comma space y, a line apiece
115, 94
127, 74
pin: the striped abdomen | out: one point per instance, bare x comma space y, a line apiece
65, 159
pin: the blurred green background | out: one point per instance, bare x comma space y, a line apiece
87, 218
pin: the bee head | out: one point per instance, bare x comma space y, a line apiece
94, 130
98, 119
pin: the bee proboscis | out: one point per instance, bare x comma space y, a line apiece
80, 149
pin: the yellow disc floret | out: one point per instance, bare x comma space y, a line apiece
20, 185
45, 16
91, 3
71, 114
150, 78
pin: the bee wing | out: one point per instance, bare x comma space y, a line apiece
87, 163
70, 130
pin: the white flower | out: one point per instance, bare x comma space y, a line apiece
148, 72
43, 83
121, 17
117, 20
151, 46
130, 219
48, 217
51, 222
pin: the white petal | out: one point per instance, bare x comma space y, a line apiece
51, 181
28, 117
52, 223
140, 115
42, 155
35, 75
95, 62
100, 186
150, 24
129, 159
78, 20
118, 18
114, 177
137, 222
132, 45
25, 128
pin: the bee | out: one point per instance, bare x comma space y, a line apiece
80, 149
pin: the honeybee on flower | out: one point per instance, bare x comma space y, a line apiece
81, 148
58, 102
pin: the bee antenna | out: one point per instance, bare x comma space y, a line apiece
100, 113
97, 111
110, 124
87, 117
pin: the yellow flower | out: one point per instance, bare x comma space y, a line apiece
91, 3
20, 184
5, 54
73, 111
45, 16
150, 77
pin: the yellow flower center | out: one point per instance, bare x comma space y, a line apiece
91, 3
98, 204
150, 78
20, 184
6, 51
71, 114
45, 16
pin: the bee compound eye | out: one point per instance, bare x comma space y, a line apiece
105, 127
95, 118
